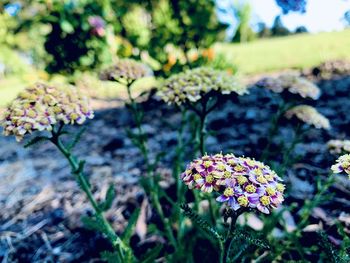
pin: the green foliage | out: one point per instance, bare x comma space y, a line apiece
151, 255
110, 196
92, 223
331, 255
110, 257
130, 228
76, 139
36, 140
199, 222
250, 237
244, 32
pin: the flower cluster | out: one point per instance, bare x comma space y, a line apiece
338, 146
333, 67
191, 85
239, 181
292, 84
126, 69
342, 165
309, 115
98, 25
40, 106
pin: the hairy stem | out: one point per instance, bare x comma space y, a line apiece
152, 185
227, 243
77, 171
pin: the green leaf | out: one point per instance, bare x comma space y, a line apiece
130, 228
77, 138
66, 26
110, 196
152, 254
204, 225
92, 223
249, 237
328, 249
110, 257
36, 140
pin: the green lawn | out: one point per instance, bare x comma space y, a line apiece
298, 51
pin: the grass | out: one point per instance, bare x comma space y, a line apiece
264, 55
298, 51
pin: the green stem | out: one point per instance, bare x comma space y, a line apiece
77, 171
287, 160
229, 239
272, 132
202, 128
141, 143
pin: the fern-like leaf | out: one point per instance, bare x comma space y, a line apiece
152, 254
35, 140
110, 257
130, 228
204, 225
249, 237
92, 223
328, 248
110, 196
76, 139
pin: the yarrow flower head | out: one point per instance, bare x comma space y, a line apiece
240, 182
293, 84
192, 85
127, 70
309, 115
338, 146
40, 106
342, 165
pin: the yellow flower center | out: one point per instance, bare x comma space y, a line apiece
261, 179
27, 126
73, 116
57, 109
229, 191
47, 99
250, 188
250, 162
280, 187
231, 162
243, 200
18, 112
241, 179
265, 200
227, 174
44, 121
209, 178
258, 172
270, 191
31, 114
239, 168
207, 164
269, 177
197, 177
221, 166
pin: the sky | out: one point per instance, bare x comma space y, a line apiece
321, 15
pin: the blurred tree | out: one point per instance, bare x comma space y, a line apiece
84, 34
278, 29
263, 30
301, 29
245, 32
347, 17
292, 5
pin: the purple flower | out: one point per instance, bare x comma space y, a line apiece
239, 181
